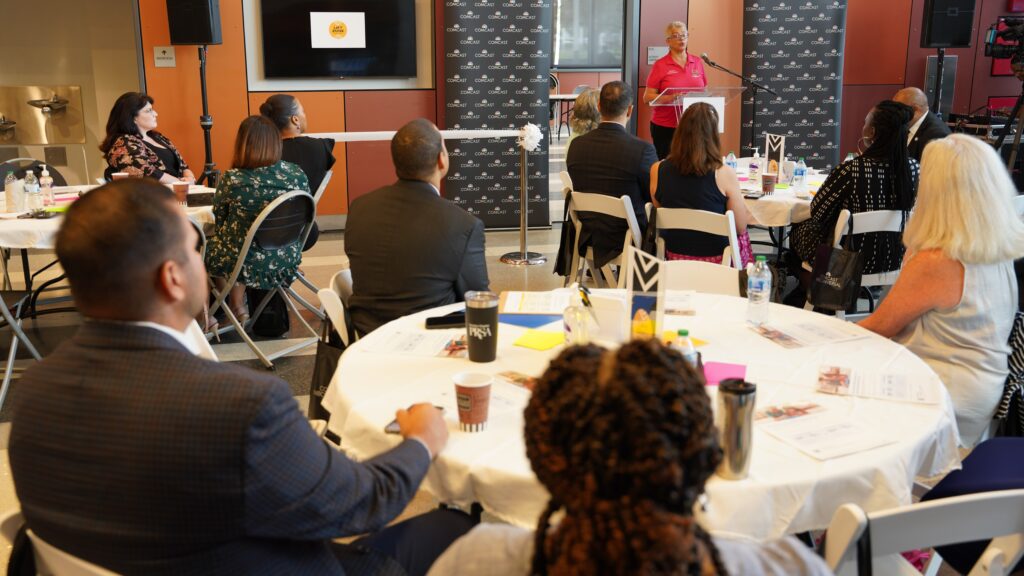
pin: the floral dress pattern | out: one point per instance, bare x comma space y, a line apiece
129, 153
240, 197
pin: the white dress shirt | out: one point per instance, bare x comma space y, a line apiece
914, 127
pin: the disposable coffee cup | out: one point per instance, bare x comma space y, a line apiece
120, 175
768, 183
482, 326
473, 396
181, 191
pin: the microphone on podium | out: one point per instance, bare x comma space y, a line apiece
704, 57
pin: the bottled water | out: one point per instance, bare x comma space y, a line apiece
46, 186
800, 177
576, 322
685, 347
755, 168
730, 161
33, 199
10, 193
759, 288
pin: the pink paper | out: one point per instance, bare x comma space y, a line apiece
715, 372
742, 178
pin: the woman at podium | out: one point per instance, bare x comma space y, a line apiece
677, 69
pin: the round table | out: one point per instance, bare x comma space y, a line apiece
786, 492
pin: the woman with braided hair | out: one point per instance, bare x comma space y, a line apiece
883, 177
624, 442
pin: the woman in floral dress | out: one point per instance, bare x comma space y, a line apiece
132, 144
258, 176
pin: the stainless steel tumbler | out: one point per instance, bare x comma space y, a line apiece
735, 421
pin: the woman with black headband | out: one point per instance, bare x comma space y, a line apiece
623, 441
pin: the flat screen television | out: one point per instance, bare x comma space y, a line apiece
339, 38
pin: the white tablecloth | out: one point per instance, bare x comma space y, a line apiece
787, 491
21, 233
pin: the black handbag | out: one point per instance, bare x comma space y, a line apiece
328, 352
273, 322
835, 279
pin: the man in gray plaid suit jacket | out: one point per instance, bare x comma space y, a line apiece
131, 452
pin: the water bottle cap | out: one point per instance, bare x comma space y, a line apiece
761, 258
683, 332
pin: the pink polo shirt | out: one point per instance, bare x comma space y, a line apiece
667, 74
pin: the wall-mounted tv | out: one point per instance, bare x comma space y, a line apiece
339, 38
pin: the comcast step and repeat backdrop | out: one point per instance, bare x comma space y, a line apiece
497, 58
795, 48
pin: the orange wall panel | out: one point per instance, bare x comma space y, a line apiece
717, 28
325, 112
177, 90
876, 45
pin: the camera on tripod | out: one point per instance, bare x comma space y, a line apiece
1012, 33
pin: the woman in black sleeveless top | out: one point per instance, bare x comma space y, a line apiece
693, 176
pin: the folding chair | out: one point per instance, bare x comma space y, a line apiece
48, 558
334, 301
701, 276
285, 221
700, 221
595, 203
864, 543
15, 299
316, 200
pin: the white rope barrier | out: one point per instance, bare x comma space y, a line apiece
384, 136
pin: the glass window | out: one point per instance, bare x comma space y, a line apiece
587, 34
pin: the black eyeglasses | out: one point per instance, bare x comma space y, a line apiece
677, 37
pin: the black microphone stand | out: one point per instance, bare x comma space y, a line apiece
755, 86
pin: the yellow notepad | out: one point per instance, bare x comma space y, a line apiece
540, 339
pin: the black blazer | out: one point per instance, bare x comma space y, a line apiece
610, 161
313, 155
932, 128
133, 454
410, 250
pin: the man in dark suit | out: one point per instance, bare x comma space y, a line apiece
925, 126
131, 452
608, 160
410, 249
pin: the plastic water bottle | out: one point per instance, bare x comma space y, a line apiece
576, 322
10, 202
46, 186
759, 288
755, 168
685, 347
33, 199
800, 177
730, 161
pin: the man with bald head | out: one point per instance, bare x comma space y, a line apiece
925, 126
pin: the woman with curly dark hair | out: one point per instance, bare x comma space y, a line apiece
624, 442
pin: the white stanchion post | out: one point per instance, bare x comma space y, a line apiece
529, 139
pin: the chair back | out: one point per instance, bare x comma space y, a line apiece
701, 221
596, 203
194, 333
566, 183
332, 305
995, 515
867, 223
1018, 203
284, 221
341, 283
702, 277
323, 186
53, 560
22, 165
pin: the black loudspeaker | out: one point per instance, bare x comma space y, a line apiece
947, 24
195, 22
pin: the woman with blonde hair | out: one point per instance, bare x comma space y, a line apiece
585, 116
954, 301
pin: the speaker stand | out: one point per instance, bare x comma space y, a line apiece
210, 173
937, 100
1018, 115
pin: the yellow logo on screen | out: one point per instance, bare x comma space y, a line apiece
338, 29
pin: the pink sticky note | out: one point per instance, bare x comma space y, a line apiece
715, 372
742, 178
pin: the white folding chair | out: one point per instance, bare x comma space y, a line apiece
323, 186
621, 208
989, 515
195, 333
285, 221
12, 303
1018, 203
566, 182
864, 223
700, 221
48, 558
701, 277
334, 301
